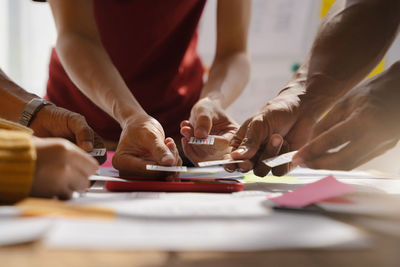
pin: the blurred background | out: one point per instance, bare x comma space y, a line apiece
281, 33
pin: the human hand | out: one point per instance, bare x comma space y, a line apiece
361, 126
283, 124
52, 121
143, 142
61, 168
208, 118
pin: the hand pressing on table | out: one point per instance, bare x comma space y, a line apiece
143, 142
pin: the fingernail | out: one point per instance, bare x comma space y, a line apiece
241, 150
229, 170
276, 141
167, 157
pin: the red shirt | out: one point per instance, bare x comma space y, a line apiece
153, 45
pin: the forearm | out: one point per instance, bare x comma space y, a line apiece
13, 98
227, 79
90, 68
351, 41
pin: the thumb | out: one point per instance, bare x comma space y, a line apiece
251, 142
202, 126
161, 153
82, 132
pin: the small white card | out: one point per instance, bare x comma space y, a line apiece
218, 162
166, 168
279, 160
206, 141
98, 152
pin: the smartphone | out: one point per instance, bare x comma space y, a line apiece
210, 185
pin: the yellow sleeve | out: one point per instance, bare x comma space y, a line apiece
17, 161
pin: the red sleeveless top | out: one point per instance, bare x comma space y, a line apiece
153, 46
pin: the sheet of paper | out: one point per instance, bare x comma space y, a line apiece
206, 141
279, 160
314, 192
19, 230
166, 168
106, 178
218, 162
277, 231
98, 152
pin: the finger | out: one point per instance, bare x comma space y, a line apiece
285, 168
84, 135
65, 194
129, 165
252, 141
79, 182
202, 126
187, 131
238, 136
272, 149
336, 136
189, 151
170, 143
336, 115
185, 123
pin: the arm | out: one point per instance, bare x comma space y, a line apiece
50, 121
228, 76
88, 65
351, 40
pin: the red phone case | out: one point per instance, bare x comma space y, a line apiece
183, 185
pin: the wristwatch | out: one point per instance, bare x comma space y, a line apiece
31, 109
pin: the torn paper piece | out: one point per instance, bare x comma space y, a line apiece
279, 160
166, 168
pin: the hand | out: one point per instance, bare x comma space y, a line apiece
361, 126
52, 121
143, 142
61, 168
283, 125
208, 118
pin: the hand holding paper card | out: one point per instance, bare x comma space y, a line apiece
309, 194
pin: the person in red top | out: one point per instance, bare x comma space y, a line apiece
131, 68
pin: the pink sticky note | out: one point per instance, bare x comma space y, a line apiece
108, 162
323, 189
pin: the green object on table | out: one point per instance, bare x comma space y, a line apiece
295, 67
251, 178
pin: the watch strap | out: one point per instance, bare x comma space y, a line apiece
31, 109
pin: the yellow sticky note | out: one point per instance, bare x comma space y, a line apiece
325, 6
251, 178
56, 208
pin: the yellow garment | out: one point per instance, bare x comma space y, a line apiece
17, 161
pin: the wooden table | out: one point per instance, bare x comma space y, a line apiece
386, 252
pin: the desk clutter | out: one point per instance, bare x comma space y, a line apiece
299, 210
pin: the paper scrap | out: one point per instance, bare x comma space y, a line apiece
98, 152
218, 162
252, 178
108, 163
197, 141
309, 194
279, 160
166, 168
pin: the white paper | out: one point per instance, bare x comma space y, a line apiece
218, 162
279, 160
166, 168
280, 230
98, 152
206, 141
21, 230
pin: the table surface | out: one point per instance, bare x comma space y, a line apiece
384, 253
